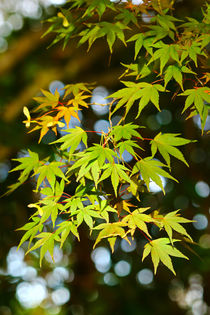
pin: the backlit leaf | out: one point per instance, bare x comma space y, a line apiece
161, 250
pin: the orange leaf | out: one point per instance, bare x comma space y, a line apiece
67, 113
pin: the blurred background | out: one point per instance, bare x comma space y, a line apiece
85, 281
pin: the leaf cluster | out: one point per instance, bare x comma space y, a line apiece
166, 51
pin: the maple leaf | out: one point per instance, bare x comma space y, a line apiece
103, 208
193, 49
139, 40
77, 88
64, 228
48, 100
144, 91
128, 146
159, 6
151, 169
110, 30
86, 214
166, 145
196, 97
136, 186
171, 221
127, 17
126, 131
137, 219
49, 172
72, 139
123, 205
110, 230
27, 165
139, 70
166, 21
159, 32
173, 72
160, 250
31, 228
47, 123
93, 159
66, 113
99, 7
46, 243
78, 100
163, 53
117, 173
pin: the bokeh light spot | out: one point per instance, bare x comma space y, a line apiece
201, 221
101, 125
122, 268
145, 276
202, 189
164, 117
31, 294
102, 259
126, 247
110, 279
61, 296
57, 85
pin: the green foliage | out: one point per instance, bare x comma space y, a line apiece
167, 52
166, 145
161, 250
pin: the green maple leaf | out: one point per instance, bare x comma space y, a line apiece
99, 7
86, 214
46, 243
166, 145
73, 203
159, 32
104, 209
137, 219
110, 30
31, 228
197, 98
173, 72
166, 21
76, 3
126, 131
161, 250
139, 40
171, 221
27, 164
134, 91
49, 172
139, 70
51, 208
151, 170
194, 50
163, 53
129, 146
117, 173
92, 160
110, 230
56, 194
126, 17
65, 228
77, 88
72, 139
